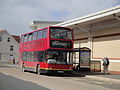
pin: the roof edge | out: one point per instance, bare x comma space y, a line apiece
106, 12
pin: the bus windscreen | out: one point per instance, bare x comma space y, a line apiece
60, 33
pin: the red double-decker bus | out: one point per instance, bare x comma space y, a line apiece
47, 50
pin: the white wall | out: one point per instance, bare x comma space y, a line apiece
5, 48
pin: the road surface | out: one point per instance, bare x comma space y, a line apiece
14, 79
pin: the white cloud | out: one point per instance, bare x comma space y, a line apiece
15, 15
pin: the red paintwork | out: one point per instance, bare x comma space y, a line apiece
40, 45
36, 45
59, 66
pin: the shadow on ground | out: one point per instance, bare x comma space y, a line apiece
59, 74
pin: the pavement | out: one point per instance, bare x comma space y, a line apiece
100, 76
89, 75
9, 65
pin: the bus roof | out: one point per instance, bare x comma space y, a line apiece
42, 29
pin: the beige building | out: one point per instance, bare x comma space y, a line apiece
100, 32
9, 47
34, 25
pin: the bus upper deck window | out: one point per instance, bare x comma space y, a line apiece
25, 38
22, 38
30, 37
40, 33
34, 35
44, 33
60, 33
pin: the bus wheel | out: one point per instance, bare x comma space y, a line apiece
38, 70
23, 68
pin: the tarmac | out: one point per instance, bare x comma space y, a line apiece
90, 75
100, 76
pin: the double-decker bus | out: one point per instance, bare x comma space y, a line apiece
47, 50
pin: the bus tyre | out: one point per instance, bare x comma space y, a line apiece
23, 68
38, 70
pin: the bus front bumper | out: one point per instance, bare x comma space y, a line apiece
57, 71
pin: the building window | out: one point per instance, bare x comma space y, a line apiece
8, 40
0, 56
11, 48
0, 39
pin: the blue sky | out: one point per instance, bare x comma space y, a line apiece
15, 15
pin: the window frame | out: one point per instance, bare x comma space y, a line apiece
41, 56
11, 47
29, 56
35, 56
39, 36
24, 56
25, 38
35, 35
60, 33
30, 37
8, 40
44, 33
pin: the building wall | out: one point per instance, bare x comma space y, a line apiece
40, 26
5, 48
81, 43
104, 42
81, 40
107, 45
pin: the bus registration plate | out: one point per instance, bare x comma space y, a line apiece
60, 71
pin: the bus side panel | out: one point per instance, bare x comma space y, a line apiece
36, 45
30, 65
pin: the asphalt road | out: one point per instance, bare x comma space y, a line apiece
14, 79
11, 83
